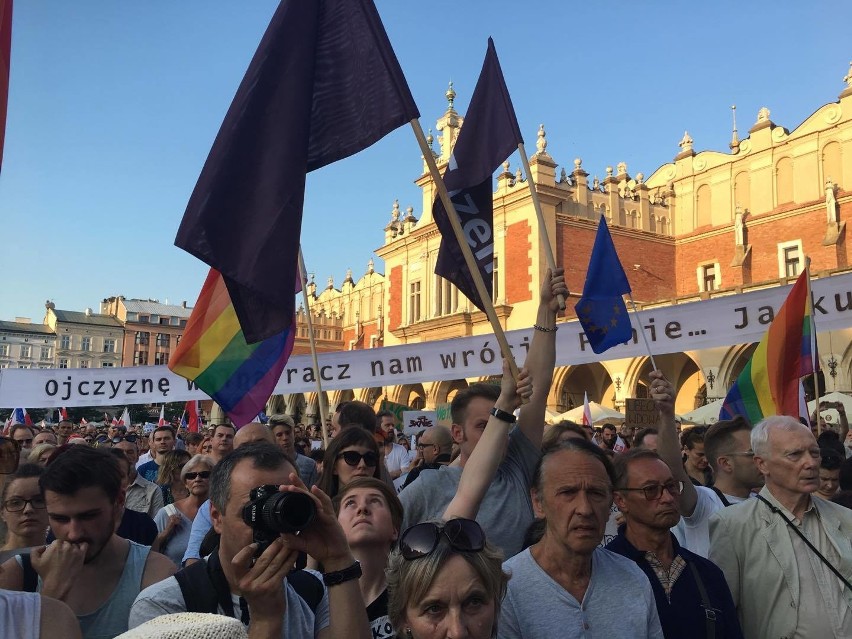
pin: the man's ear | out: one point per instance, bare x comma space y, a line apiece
216, 518
619, 501
538, 509
761, 465
457, 432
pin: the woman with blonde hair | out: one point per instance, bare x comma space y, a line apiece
168, 478
174, 521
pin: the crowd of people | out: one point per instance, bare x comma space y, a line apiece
493, 527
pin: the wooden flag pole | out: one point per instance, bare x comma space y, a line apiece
813, 349
323, 407
642, 331
468, 256
545, 238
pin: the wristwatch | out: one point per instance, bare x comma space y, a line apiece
342, 576
503, 416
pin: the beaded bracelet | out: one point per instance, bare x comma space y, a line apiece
545, 330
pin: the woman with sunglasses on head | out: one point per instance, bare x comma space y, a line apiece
445, 580
23, 511
353, 453
174, 521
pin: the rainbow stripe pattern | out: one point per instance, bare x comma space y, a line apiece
214, 354
769, 383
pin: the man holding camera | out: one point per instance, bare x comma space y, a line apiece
260, 592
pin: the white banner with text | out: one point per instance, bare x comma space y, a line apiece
722, 321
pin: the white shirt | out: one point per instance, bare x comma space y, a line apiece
396, 459
693, 532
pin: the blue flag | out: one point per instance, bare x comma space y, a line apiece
601, 309
488, 136
324, 84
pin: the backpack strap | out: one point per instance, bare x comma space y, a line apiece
308, 587
721, 496
197, 588
30, 583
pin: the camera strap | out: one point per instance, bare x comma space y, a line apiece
807, 543
223, 590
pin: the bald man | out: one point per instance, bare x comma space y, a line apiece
434, 449
201, 525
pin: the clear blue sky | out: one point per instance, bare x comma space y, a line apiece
113, 107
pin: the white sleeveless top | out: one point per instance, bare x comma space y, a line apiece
20, 614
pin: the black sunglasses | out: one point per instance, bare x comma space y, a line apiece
204, 474
420, 540
353, 458
124, 438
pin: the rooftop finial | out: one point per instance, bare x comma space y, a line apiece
370, 265
735, 140
686, 142
430, 139
848, 77
541, 143
451, 96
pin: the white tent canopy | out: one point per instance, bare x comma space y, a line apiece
707, 414
599, 414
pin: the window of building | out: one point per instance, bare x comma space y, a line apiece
495, 280
133, 317
86, 344
142, 337
183, 323
414, 302
163, 339
4, 350
790, 261
84, 363
174, 321
63, 362
177, 339
154, 319
45, 352
446, 296
140, 358
161, 359
26, 350
709, 277
107, 365
109, 346
65, 342
23, 365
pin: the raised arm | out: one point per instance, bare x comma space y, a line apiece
541, 359
482, 464
668, 444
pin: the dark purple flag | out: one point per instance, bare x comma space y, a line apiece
488, 136
323, 84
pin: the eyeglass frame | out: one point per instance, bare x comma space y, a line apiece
657, 489
26, 501
197, 474
124, 438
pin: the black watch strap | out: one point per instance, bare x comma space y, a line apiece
503, 416
342, 576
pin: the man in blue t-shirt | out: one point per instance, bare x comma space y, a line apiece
162, 441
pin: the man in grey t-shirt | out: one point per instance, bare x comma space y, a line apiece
506, 512
565, 585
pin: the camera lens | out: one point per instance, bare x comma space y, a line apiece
287, 512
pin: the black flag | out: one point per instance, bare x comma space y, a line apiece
488, 136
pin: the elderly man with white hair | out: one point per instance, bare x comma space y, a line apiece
787, 555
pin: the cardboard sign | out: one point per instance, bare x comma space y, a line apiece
416, 420
640, 413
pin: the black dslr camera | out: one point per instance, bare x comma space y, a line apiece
270, 513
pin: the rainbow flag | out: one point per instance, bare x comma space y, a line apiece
769, 383
214, 354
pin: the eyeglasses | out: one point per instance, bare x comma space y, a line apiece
420, 540
124, 438
17, 504
654, 492
745, 453
24, 442
423, 445
353, 458
204, 474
